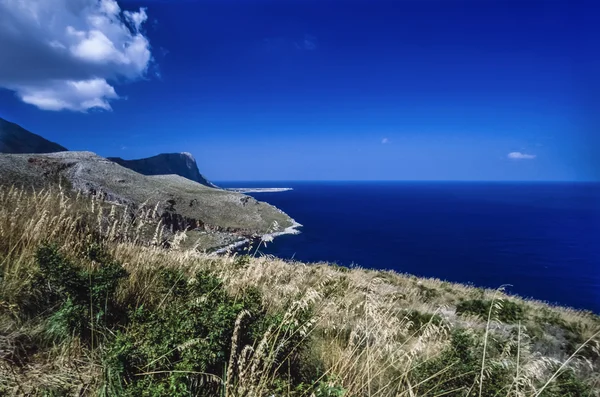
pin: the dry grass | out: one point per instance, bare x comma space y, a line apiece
372, 333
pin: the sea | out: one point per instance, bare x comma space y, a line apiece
541, 240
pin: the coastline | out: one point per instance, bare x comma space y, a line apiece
245, 190
293, 229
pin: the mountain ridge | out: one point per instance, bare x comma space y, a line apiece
16, 139
182, 164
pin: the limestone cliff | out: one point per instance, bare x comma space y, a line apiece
182, 164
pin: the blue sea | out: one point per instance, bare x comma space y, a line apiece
541, 238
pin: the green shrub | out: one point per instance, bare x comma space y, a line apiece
190, 333
419, 319
567, 384
457, 369
507, 311
339, 268
329, 389
428, 294
241, 261
165, 349
85, 297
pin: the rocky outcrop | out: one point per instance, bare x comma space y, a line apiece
16, 139
182, 164
180, 202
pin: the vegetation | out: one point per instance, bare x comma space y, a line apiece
94, 301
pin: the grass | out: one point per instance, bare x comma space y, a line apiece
98, 300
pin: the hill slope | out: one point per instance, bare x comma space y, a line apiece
182, 203
16, 139
86, 312
182, 164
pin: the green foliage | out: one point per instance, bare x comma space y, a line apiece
457, 369
567, 384
168, 350
58, 276
242, 261
173, 348
179, 342
507, 311
71, 318
420, 319
327, 389
84, 296
428, 294
335, 286
339, 268
446, 286
291, 353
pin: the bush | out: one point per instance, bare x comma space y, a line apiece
177, 346
189, 333
457, 369
419, 320
507, 311
567, 385
428, 294
170, 350
85, 296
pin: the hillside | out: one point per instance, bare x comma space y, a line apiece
182, 164
180, 203
88, 308
16, 139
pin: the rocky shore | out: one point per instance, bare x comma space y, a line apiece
245, 190
265, 238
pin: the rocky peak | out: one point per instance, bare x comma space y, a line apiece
182, 164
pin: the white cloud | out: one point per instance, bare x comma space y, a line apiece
78, 95
137, 19
520, 156
385, 140
68, 54
309, 43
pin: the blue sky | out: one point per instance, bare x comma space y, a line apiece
327, 90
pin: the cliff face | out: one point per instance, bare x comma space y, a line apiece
182, 164
16, 139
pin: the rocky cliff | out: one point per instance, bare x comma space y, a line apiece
182, 164
16, 139
182, 204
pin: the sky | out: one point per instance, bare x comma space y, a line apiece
314, 89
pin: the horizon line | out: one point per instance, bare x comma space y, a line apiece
414, 180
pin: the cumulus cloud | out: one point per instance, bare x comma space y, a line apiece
68, 54
520, 156
385, 140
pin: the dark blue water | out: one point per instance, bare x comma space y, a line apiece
542, 238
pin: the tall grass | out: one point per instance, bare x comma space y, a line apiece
97, 298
